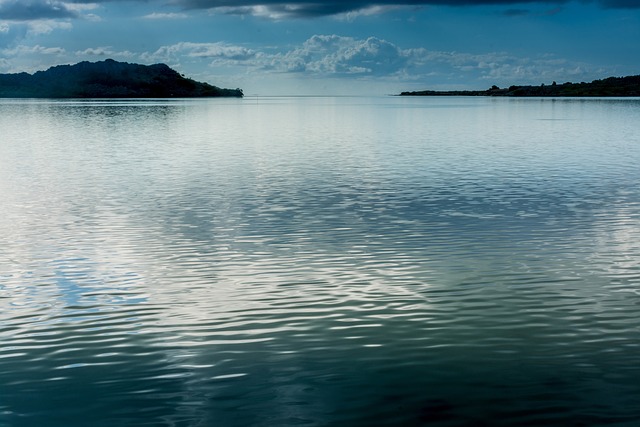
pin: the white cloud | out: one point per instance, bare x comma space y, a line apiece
105, 51
31, 50
504, 68
337, 55
46, 26
213, 51
81, 7
92, 17
157, 15
334, 56
368, 11
341, 60
261, 11
283, 11
4, 27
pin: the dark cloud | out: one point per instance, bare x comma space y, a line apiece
29, 10
312, 8
26, 10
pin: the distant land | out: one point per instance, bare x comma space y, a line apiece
108, 79
612, 86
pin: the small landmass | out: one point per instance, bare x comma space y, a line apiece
108, 79
611, 87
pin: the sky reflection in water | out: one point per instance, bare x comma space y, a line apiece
352, 261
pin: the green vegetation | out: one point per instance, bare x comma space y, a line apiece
612, 86
107, 79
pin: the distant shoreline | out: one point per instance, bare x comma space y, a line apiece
609, 87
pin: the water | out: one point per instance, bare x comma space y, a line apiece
320, 261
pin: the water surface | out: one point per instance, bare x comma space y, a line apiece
320, 261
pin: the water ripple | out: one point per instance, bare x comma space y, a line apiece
319, 261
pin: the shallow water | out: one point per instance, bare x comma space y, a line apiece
320, 261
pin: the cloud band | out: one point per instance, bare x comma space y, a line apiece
26, 10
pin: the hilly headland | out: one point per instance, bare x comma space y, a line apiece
609, 87
108, 79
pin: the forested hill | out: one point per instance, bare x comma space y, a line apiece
612, 86
107, 79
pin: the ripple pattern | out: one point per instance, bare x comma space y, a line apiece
320, 261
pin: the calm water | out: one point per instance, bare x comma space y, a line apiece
320, 261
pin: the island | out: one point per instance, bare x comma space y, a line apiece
609, 87
108, 79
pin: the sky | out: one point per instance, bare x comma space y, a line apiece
355, 47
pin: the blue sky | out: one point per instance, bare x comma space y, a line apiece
336, 47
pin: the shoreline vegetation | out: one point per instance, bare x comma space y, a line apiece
609, 87
108, 79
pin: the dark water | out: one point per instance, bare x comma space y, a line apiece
320, 261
